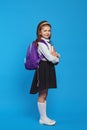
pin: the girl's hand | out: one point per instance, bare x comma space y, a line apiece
55, 54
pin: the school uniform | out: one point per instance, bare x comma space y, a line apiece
45, 75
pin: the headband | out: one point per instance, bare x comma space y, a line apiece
44, 23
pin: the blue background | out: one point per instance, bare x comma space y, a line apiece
68, 103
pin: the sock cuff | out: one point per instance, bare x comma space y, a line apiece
41, 102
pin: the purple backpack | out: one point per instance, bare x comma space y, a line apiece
32, 58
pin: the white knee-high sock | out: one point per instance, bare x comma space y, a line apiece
42, 109
42, 112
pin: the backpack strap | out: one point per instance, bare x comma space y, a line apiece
44, 42
42, 56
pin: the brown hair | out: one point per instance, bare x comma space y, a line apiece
39, 27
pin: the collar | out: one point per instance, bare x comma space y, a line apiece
47, 40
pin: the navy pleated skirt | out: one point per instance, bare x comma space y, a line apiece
44, 77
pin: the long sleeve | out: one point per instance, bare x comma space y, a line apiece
42, 48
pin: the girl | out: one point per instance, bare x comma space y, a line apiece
44, 77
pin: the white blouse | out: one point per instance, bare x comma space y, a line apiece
46, 51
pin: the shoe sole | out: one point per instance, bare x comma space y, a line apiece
47, 123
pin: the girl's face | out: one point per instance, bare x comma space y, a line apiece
45, 32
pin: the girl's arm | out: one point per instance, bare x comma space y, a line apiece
47, 54
54, 53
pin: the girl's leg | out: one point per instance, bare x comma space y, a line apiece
43, 95
42, 103
42, 108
